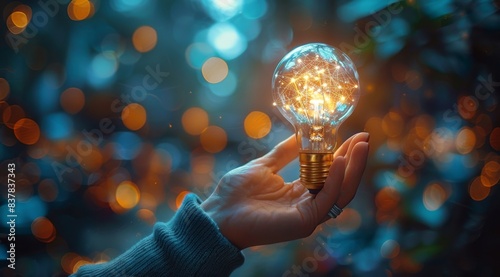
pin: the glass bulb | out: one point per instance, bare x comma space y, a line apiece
315, 87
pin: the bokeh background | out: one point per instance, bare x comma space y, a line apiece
114, 110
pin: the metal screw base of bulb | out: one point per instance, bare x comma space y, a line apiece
314, 169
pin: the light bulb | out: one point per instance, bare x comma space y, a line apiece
315, 87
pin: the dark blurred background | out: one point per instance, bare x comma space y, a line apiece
113, 110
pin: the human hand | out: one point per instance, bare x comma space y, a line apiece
252, 205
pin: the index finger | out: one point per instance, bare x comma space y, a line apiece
281, 155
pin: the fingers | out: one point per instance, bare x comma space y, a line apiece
330, 192
281, 155
353, 173
346, 148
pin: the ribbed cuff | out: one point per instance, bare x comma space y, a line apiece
188, 245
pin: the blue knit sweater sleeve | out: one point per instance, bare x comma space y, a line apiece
190, 244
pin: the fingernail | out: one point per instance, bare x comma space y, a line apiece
365, 136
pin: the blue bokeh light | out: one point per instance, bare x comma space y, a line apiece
57, 126
198, 53
46, 94
222, 10
227, 40
172, 152
102, 69
127, 5
126, 144
226, 87
254, 9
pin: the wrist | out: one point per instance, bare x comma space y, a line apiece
212, 207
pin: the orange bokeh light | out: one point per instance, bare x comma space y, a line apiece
147, 215
393, 124
465, 141
214, 70
72, 100
495, 138
134, 116
19, 19
180, 198
43, 229
12, 114
68, 262
144, 39
4, 89
213, 139
257, 124
477, 190
127, 195
194, 121
387, 199
27, 131
490, 174
434, 196
80, 9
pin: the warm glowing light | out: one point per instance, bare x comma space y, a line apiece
72, 100
4, 89
315, 88
12, 114
180, 198
80, 9
27, 131
469, 106
68, 261
393, 124
127, 195
465, 141
19, 19
214, 70
434, 196
134, 116
144, 39
424, 125
194, 121
147, 215
213, 139
257, 124
477, 190
80, 263
490, 174
387, 199
43, 229
92, 161
495, 138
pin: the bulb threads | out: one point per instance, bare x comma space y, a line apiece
314, 169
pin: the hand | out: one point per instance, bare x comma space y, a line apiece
252, 205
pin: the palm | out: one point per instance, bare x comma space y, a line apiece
255, 206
